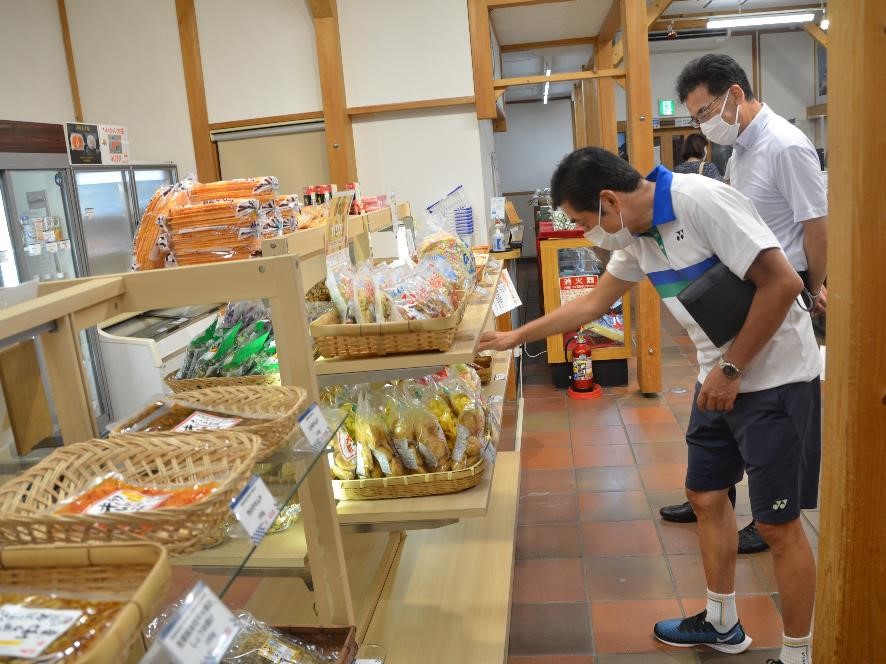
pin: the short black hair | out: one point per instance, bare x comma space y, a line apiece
694, 146
717, 72
583, 174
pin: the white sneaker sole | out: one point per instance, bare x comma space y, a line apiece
719, 647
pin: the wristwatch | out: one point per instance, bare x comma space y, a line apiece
729, 370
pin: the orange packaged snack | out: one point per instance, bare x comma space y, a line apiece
115, 495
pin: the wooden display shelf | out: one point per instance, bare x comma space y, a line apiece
408, 513
449, 597
477, 318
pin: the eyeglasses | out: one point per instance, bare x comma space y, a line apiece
703, 113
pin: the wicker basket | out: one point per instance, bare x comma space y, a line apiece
27, 502
279, 405
189, 384
135, 573
483, 365
343, 639
334, 339
410, 486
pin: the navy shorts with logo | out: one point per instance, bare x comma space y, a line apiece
774, 435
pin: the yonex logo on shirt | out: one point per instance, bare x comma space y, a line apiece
780, 504
679, 234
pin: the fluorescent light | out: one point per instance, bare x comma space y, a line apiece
547, 87
760, 19
825, 23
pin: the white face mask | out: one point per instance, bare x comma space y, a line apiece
718, 130
609, 241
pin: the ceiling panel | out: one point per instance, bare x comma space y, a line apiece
556, 20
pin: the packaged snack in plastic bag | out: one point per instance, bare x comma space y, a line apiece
340, 282
363, 294
375, 456
45, 625
430, 435
470, 423
386, 310
414, 296
259, 643
455, 252
112, 494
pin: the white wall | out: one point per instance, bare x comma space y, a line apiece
129, 69
788, 84
402, 50
422, 156
34, 75
270, 69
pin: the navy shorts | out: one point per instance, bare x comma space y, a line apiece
774, 435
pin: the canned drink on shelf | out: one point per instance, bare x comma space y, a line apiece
309, 195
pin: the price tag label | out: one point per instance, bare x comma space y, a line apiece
65, 245
506, 297
202, 630
26, 632
198, 421
315, 428
255, 509
497, 207
52, 247
500, 376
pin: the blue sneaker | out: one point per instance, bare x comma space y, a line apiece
697, 631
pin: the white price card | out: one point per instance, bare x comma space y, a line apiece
506, 297
315, 428
26, 632
198, 421
497, 207
500, 376
65, 245
201, 631
255, 509
52, 247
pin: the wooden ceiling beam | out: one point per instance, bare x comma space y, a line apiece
504, 4
481, 58
817, 33
551, 43
321, 8
505, 83
653, 11
679, 24
611, 23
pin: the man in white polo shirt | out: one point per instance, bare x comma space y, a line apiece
775, 165
757, 403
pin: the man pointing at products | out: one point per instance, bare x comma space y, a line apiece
757, 401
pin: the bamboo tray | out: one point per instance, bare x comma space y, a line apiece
334, 339
28, 501
189, 384
411, 486
135, 573
279, 405
343, 639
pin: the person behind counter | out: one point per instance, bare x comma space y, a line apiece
694, 152
757, 401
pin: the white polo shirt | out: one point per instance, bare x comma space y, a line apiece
775, 165
697, 223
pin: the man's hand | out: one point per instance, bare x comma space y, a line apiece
498, 341
821, 304
718, 391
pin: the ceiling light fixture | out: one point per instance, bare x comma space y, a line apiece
758, 20
825, 22
547, 88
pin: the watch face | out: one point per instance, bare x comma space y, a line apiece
730, 371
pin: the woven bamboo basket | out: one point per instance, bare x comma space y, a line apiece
483, 365
28, 502
343, 639
280, 406
137, 574
189, 384
334, 339
411, 486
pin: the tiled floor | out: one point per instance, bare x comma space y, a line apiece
596, 566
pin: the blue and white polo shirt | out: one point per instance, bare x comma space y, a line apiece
696, 223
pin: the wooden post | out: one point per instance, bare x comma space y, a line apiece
481, 58
606, 97
339, 133
580, 128
204, 150
591, 97
69, 57
639, 125
849, 608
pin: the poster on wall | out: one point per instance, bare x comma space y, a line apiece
95, 144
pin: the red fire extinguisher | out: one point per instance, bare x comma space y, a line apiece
582, 371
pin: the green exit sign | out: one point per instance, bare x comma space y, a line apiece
666, 107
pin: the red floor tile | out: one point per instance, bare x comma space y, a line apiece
596, 418
627, 577
545, 421
553, 659
618, 478
546, 458
537, 439
626, 626
548, 509
676, 657
647, 415
758, 615
679, 537
621, 538
543, 482
550, 629
660, 452
588, 456
658, 476
613, 506
688, 573
545, 405
656, 432
548, 581
540, 390
544, 541
592, 435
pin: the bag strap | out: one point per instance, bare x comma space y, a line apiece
701, 167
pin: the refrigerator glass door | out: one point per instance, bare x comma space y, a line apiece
8, 262
106, 215
149, 179
38, 225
